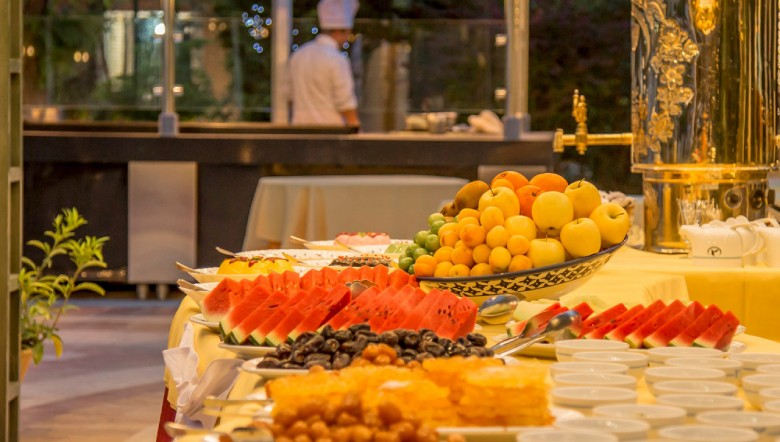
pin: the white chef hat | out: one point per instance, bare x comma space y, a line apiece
337, 14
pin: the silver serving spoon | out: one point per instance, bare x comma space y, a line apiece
556, 324
498, 309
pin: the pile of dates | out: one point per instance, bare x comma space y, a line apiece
335, 349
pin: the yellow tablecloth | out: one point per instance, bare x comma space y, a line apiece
752, 293
320, 207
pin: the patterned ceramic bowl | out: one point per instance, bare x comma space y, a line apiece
550, 282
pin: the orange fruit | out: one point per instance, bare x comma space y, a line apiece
459, 270
467, 212
502, 182
519, 263
443, 254
517, 179
490, 217
526, 196
516, 244
463, 222
497, 237
462, 255
481, 253
481, 269
472, 235
448, 238
442, 269
499, 260
549, 181
423, 269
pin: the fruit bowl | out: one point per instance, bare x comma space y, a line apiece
550, 282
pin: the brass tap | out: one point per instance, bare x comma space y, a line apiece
581, 138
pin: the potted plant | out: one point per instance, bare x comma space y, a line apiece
45, 296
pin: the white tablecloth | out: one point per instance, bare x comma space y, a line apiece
320, 207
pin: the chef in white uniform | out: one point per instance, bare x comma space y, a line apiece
320, 84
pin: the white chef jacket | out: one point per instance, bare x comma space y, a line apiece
320, 83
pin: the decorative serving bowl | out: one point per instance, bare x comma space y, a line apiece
549, 282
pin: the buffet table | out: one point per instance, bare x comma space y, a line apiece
751, 292
320, 207
601, 291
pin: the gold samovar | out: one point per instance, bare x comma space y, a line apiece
704, 82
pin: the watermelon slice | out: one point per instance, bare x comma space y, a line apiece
262, 281
330, 277
627, 327
335, 300
381, 273
366, 272
356, 305
414, 319
719, 334
459, 321
348, 275
311, 279
439, 312
539, 321
259, 334
238, 313
515, 328
395, 319
241, 332
398, 279
698, 326
636, 338
302, 310
600, 332
221, 299
384, 297
292, 280
673, 327
597, 320
399, 307
584, 309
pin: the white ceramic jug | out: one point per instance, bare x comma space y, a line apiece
722, 244
769, 231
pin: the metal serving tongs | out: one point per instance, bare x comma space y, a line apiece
556, 324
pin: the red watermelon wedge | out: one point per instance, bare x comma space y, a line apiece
221, 299
719, 334
330, 277
459, 321
439, 311
416, 317
600, 332
396, 318
239, 312
241, 332
636, 338
356, 305
398, 306
384, 297
596, 320
685, 338
624, 329
673, 327
381, 273
335, 300
259, 334
348, 274
296, 315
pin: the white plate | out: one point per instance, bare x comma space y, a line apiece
502, 434
199, 319
208, 275
247, 351
250, 366
375, 248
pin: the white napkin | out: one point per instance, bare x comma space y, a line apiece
217, 380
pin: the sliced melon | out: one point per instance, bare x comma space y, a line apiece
686, 337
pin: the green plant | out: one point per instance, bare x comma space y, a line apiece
45, 296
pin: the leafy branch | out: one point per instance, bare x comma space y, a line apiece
45, 296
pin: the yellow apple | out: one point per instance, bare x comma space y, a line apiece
551, 211
546, 252
503, 198
612, 221
521, 225
581, 237
584, 198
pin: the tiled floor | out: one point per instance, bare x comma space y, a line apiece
108, 384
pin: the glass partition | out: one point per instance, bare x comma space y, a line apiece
107, 68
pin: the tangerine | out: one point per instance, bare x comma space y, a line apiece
497, 236
549, 181
502, 182
459, 270
526, 196
481, 269
517, 179
443, 254
462, 255
481, 253
516, 244
519, 263
467, 212
490, 217
442, 269
472, 235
